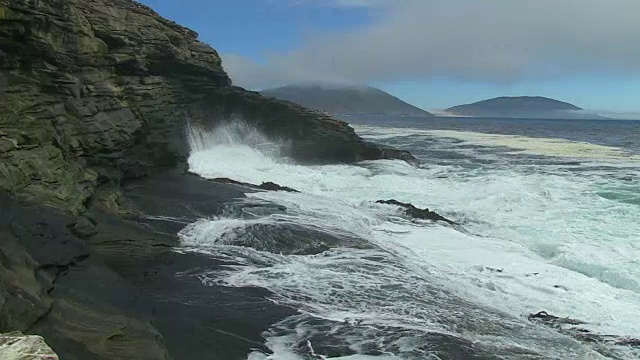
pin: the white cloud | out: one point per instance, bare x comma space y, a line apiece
473, 40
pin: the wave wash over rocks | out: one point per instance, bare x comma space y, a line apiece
391, 288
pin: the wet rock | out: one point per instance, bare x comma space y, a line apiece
551, 320
53, 287
629, 342
320, 337
24, 296
275, 187
125, 293
197, 319
571, 327
305, 348
290, 239
314, 138
16, 346
269, 186
231, 181
416, 213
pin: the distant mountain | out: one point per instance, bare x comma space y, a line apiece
345, 100
522, 107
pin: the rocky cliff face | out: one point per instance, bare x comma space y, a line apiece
94, 98
94, 92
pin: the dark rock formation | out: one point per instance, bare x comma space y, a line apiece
345, 100
94, 100
275, 187
96, 92
325, 340
291, 239
416, 213
52, 287
571, 327
552, 320
269, 186
122, 292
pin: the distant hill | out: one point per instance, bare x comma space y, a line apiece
345, 100
522, 107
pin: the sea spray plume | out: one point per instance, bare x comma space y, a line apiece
234, 131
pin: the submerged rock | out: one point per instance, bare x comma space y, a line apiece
290, 239
551, 320
416, 213
16, 346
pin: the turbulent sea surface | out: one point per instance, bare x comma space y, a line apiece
550, 221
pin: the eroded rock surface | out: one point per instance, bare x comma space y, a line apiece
16, 346
93, 92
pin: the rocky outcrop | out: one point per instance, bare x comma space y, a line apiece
16, 346
121, 291
314, 137
96, 92
415, 213
95, 97
575, 329
269, 186
52, 286
87, 96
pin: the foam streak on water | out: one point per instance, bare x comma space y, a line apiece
545, 236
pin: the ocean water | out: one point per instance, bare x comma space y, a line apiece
550, 221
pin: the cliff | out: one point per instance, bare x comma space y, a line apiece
94, 100
346, 100
94, 92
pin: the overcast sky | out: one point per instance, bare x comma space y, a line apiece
434, 53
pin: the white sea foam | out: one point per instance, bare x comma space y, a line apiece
534, 241
528, 145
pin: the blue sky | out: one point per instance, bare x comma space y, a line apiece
429, 54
